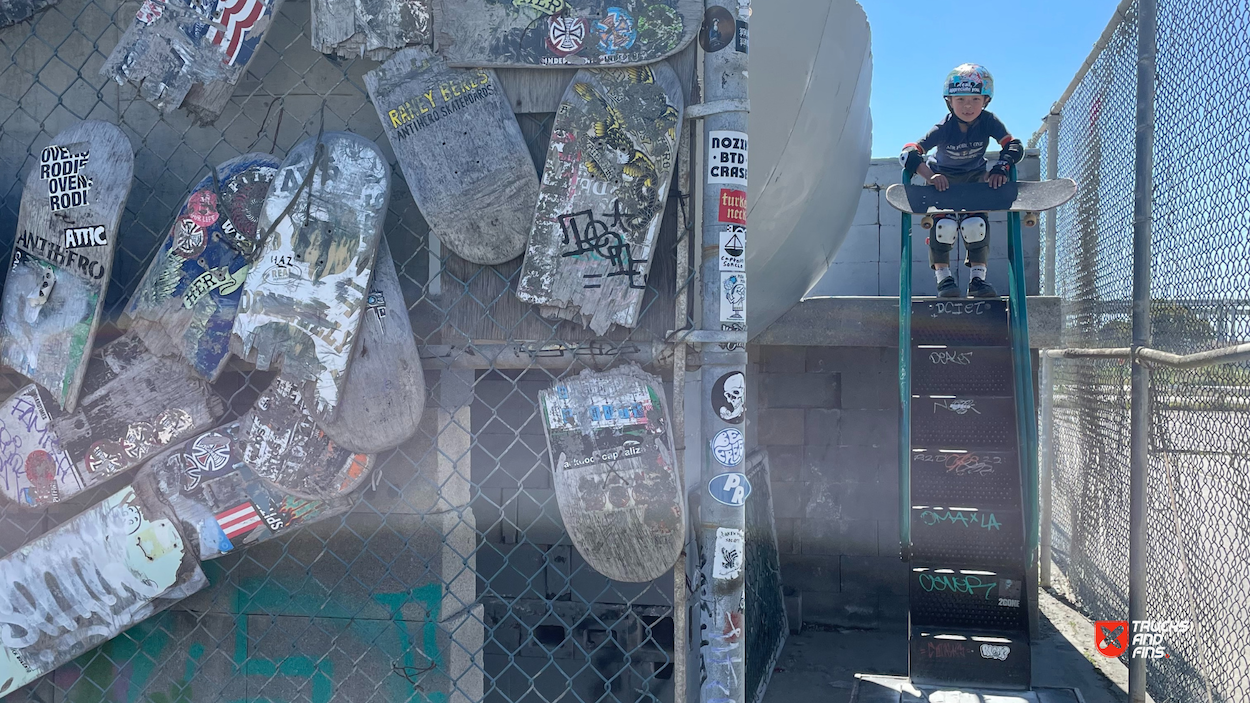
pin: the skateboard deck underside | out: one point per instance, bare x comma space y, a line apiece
615, 471
35, 470
1021, 196
603, 193
305, 296
186, 303
562, 33
372, 28
461, 150
63, 255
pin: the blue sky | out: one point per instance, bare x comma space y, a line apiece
1032, 47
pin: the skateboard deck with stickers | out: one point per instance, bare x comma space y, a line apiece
63, 255
561, 33
615, 471
1019, 196
88, 580
190, 52
462, 153
186, 303
304, 298
223, 504
375, 29
385, 392
604, 188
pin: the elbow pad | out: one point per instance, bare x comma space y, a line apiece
911, 158
1012, 151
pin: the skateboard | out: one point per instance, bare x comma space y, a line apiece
615, 471
560, 33
385, 392
305, 296
133, 404
375, 29
92, 577
221, 502
1028, 197
461, 151
190, 52
186, 303
604, 188
63, 255
14, 11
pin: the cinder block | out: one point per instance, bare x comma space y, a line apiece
887, 537
823, 427
835, 359
879, 575
829, 537
869, 387
786, 462
814, 574
892, 613
857, 610
850, 500
800, 390
867, 427
781, 426
841, 464
786, 530
868, 208
789, 500
846, 279
782, 359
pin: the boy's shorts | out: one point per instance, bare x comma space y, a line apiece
977, 253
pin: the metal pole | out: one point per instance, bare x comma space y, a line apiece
681, 625
722, 525
1139, 418
1047, 430
904, 384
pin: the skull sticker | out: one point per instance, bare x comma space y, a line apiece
729, 397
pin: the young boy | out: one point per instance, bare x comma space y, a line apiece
961, 138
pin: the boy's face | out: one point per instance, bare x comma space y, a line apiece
968, 107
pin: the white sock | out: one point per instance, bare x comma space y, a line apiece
978, 271
942, 273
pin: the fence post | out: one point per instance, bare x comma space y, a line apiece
1047, 429
721, 531
1139, 418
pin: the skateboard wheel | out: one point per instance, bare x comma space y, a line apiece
1030, 219
926, 222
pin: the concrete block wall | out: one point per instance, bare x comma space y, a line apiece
829, 419
868, 261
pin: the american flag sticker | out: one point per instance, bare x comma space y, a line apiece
233, 19
238, 520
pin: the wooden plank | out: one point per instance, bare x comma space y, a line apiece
186, 51
385, 392
306, 295
614, 471
531, 90
35, 471
222, 504
186, 303
373, 28
557, 33
14, 11
461, 151
63, 254
609, 165
88, 580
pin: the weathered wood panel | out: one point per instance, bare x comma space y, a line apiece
88, 580
609, 165
186, 51
63, 254
385, 392
186, 303
461, 151
304, 298
373, 28
35, 470
222, 504
560, 33
615, 471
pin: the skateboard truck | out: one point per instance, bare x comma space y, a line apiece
35, 301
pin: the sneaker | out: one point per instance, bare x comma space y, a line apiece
978, 288
948, 288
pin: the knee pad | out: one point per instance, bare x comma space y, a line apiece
944, 231
973, 230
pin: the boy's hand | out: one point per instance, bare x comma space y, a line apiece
938, 181
995, 180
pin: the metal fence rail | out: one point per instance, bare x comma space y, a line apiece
1199, 434
453, 579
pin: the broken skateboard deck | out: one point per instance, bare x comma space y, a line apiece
186, 303
462, 153
615, 471
133, 404
372, 28
89, 579
385, 393
62, 256
560, 33
305, 296
1018, 196
604, 188
222, 503
190, 52
14, 11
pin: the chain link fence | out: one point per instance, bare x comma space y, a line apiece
1199, 453
453, 578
